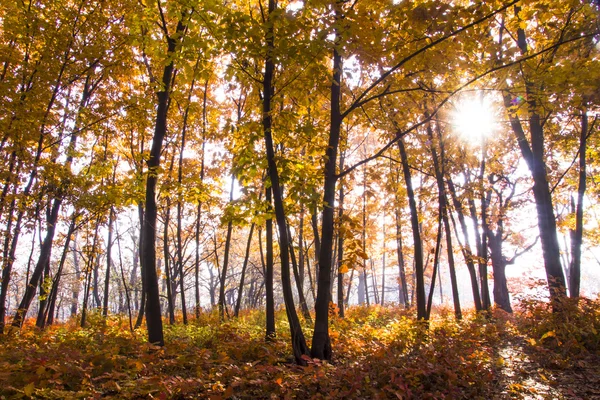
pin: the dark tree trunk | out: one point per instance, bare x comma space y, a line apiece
443, 204
418, 245
153, 313
299, 346
43, 260
533, 154
499, 263
321, 344
340, 244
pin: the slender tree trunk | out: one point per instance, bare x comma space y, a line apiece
439, 173
418, 245
270, 301
340, 244
50, 313
244, 266
577, 233
402, 287
481, 239
466, 247
127, 293
76, 285
167, 257
310, 275
436, 265
383, 267
301, 298
92, 264
43, 260
111, 217
142, 304
153, 313
299, 346
225, 259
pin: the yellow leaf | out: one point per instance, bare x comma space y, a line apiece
343, 269
500, 362
40, 370
29, 389
548, 334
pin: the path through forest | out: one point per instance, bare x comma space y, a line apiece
534, 376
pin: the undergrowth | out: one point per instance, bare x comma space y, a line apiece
378, 353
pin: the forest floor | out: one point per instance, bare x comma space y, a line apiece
379, 353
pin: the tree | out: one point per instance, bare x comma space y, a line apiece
153, 313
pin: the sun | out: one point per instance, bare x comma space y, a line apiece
473, 118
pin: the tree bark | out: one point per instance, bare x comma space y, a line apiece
533, 154
418, 245
153, 313
321, 343
443, 205
270, 301
299, 346
244, 266
577, 233
225, 259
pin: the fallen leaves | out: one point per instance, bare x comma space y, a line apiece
379, 353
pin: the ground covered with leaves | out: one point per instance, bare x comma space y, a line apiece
380, 353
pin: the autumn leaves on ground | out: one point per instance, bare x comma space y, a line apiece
380, 353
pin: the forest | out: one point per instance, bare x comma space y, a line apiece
299, 199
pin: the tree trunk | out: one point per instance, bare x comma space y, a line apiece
111, 217
43, 260
92, 264
418, 245
340, 244
295, 269
142, 305
225, 259
244, 266
466, 247
127, 293
167, 259
436, 266
270, 301
577, 233
299, 346
533, 154
153, 313
50, 313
